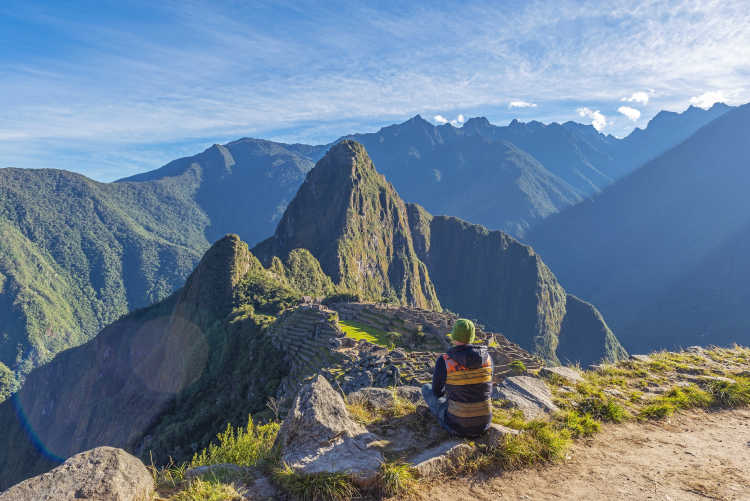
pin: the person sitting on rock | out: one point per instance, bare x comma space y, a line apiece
461, 389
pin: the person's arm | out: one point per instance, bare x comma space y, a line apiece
438, 378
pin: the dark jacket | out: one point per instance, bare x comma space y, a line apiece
464, 376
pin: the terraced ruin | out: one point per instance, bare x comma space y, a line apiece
313, 339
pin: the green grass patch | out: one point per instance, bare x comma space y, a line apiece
579, 425
241, 446
726, 394
360, 331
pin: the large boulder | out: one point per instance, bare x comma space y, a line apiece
319, 436
530, 394
383, 398
101, 474
570, 375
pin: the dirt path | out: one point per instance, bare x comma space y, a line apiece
692, 456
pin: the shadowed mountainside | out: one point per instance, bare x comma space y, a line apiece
661, 252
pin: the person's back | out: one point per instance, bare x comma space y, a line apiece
461, 390
468, 388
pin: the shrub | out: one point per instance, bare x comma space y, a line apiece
517, 367
342, 297
726, 394
316, 486
241, 446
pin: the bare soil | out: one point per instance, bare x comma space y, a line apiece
694, 455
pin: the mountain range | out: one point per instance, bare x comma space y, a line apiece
663, 252
203, 356
77, 254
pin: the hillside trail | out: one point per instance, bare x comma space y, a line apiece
695, 455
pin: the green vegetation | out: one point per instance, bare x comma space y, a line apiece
7, 382
357, 330
517, 367
241, 446
395, 479
77, 254
316, 486
539, 442
578, 425
207, 490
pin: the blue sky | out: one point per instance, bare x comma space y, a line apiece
109, 89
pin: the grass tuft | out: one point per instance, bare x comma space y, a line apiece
246, 446
578, 425
539, 443
204, 490
395, 479
316, 486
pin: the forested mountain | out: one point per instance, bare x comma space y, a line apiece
662, 252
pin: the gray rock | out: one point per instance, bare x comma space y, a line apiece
101, 474
319, 436
495, 434
216, 469
570, 375
440, 459
529, 394
640, 358
382, 398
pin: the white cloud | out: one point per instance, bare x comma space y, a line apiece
637, 97
455, 122
629, 112
521, 104
707, 99
598, 120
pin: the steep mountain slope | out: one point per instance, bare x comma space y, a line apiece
76, 254
353, 221
369, 241
668, 234
152, 370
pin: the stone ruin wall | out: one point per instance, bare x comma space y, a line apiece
312, 342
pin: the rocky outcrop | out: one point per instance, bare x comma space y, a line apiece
353, 221
571, 376
319, 436
101, 474
529, 394
585, 337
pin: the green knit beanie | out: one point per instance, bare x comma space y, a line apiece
463, 331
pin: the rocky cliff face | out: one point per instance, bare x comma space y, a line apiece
491, 276
353, 221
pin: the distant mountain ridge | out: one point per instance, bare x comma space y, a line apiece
662, 251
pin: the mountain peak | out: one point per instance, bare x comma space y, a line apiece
353, 221
476, 123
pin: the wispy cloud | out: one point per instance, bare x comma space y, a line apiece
632, 113
193, 72
598, 120
456, 122
521, 104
